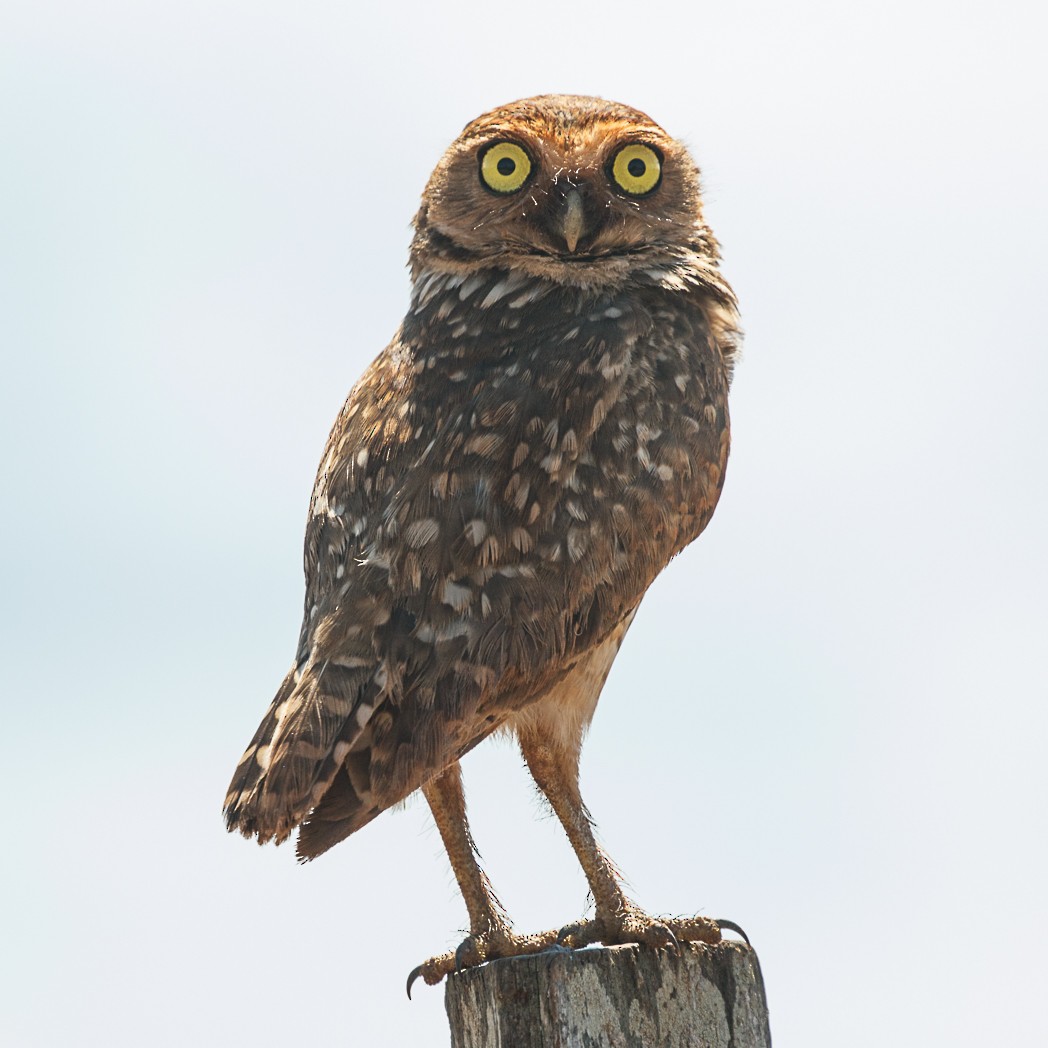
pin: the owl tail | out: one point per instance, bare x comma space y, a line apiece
295, 753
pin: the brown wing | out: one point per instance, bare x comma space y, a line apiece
338, 679
500, 489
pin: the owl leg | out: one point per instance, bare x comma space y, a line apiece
490, 931
555, 768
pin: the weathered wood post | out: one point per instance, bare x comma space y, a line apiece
617, 997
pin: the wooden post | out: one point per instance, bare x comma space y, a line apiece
616, 997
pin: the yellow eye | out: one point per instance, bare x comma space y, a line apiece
636, 169
505, 167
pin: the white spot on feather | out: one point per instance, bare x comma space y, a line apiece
471, 285
501, 289
526, 296
456, 596
456, 628
476, 531
351, 662
578, 543
421, 532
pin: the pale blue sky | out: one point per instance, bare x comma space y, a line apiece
828, 722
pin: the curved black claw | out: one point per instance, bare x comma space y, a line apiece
733, 927
459, 962
566, 932
415, 973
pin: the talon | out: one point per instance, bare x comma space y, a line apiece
733, 927
459, 962
582, 934
415, 973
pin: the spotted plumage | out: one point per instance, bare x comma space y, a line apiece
546, 430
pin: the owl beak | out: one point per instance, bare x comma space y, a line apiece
572, 219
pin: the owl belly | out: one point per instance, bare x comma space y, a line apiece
563, 713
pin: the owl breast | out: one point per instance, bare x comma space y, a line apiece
575, 439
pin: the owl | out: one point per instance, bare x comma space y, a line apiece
547, 429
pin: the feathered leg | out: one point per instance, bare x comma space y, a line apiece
490, 931
554, 764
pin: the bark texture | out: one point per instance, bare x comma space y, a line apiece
617, 997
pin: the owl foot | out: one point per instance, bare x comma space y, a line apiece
635, 926
476, 949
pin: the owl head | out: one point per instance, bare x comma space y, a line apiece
572, 189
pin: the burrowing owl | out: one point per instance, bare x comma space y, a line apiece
546, 430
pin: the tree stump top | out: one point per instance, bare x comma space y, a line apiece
614, 997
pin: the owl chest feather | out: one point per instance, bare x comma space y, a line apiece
594, 424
